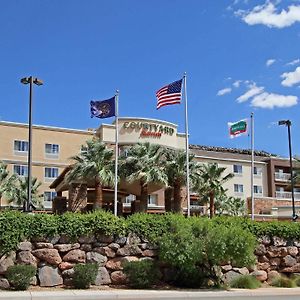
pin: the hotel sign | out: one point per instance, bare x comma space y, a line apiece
148, 129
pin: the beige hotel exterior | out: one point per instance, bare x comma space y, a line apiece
52, 148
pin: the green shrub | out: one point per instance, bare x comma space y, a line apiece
245, 282
297, 280
192, 277
283, 281
141, 274
84, 275
20, 276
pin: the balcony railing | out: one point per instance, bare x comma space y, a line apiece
198, 208
287, 195
282, 176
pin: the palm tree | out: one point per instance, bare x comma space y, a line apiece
175, 168
210, 183
18, 194
143, 164
6, 182
94, 163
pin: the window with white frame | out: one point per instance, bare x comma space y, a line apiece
257, 189
49, 196
51, 173
20, 146
21, 170
152, 200
237, 169
130, 198
52, 150
238, 188
257, 171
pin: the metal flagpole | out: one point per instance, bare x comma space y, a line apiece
252, 166
116, 152
187, 149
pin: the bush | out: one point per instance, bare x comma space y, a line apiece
84, 275
245, 282
297, 280
283, 281
142, 274
20, 276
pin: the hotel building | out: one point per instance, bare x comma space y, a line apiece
52, 148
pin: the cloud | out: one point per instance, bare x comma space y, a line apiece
291, 78
237, 83
224, 91
293, 62
270, 62
270, 100
253, 90
268, 15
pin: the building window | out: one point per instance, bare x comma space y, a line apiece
257, 189
237, 169
51, 173
20, 147
130, 198
21, 170
51, 150
238, 188
257, 171
49, 196
152, 200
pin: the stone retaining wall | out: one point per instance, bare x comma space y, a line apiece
55, 258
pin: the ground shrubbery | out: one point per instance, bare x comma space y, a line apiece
283, 281
20, 276
84, 275
142, 274
245, 282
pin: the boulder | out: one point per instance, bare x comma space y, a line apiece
76, 256
7, 261
105, 251
260, 275
275, 261
272, 275
41, 245
51, 256
118, 277
64, 239
65, 266
133, 239
230, 275
86, 247
102, 277
129, 250
114, 246
115, 263
95, 257
26, 258
4, 284
260, 250
25, 246
84, 239
263, 266
121, 240
266, 240
292, 250
49, 276
263, 259
66, 247
293, 269
104, 238
226, 268
243, 271
150, 253
277, 241
68, 273
288, 261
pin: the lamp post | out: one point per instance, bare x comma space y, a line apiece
288, 123
29, 80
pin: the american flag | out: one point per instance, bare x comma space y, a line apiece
169, 94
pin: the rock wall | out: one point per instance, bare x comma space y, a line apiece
55, 258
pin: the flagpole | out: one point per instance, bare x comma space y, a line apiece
187, 149
252, 166
116, 152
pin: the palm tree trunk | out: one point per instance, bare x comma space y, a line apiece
211, 204
98, 195
177, 198
144, 198
168, 199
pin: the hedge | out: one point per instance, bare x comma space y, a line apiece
16, 226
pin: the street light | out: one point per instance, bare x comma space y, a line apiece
29, 80
288, 123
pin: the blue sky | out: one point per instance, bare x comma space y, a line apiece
240, 57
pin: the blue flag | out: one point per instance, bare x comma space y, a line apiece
103, 109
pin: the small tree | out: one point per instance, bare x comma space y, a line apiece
7, 182
230, 206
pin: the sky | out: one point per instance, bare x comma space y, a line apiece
240, 56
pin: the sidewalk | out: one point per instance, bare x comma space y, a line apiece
262, 293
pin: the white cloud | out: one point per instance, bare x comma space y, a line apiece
293, 62
237, 83
270, 62
268, 15
270, 100
224, 91
253, 90
291, 78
